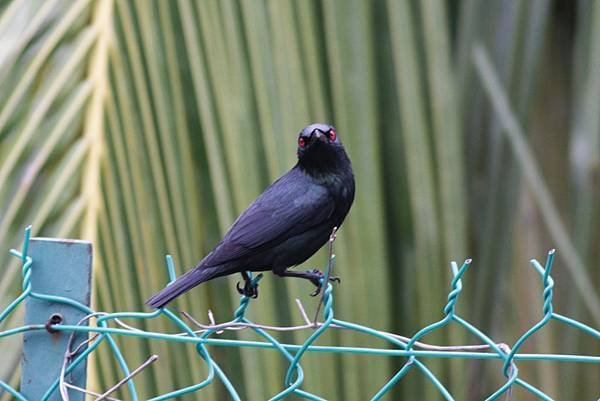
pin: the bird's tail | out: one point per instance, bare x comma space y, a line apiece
182, 284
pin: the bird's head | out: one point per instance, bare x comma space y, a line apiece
319, 148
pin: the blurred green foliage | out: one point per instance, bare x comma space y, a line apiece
147, 126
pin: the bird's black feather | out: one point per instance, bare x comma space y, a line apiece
291, 205
287, 223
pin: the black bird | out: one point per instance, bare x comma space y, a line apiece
286, 224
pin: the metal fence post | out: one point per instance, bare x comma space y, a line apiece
61, 268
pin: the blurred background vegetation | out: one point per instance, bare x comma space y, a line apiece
147, 126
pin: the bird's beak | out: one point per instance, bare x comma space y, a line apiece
320, 136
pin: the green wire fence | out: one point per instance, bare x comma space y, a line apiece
203, 337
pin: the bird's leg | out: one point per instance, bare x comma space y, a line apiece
250, 290
314, 276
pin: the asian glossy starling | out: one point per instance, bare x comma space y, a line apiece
286, 224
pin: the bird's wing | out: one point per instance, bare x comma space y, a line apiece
290, 206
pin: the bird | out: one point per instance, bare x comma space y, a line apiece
290, 221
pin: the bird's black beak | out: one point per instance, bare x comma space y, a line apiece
318, 135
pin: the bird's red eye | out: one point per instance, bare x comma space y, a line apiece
332, 135
301, 142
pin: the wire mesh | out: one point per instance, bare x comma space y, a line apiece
202, 336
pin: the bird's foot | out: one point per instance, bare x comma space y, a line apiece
250, 290
317, 280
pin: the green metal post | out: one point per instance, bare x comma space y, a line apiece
60, 268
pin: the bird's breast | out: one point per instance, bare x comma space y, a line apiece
343, 195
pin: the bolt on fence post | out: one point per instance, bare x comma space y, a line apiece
61, 268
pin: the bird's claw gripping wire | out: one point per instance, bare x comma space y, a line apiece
318, 281
250, 290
